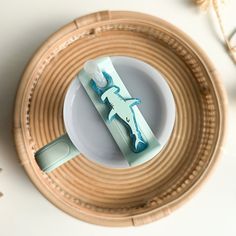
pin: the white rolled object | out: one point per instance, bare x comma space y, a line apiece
95, 73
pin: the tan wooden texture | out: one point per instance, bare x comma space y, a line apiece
134, 196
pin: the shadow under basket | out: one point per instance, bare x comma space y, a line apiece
133, 196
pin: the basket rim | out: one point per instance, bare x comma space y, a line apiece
161, 211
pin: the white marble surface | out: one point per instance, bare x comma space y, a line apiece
24, 25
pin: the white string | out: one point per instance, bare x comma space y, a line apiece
217, 4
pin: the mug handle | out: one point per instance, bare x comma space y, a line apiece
56, 153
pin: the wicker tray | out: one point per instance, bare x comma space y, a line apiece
139, 195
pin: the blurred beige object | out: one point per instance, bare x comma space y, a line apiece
233, 45
1, 194
217, 5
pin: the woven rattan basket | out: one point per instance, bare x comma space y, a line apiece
134, 196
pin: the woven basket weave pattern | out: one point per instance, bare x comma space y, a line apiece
125, 196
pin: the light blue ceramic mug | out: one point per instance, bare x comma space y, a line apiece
87, 133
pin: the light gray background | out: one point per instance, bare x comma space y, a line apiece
24, 25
